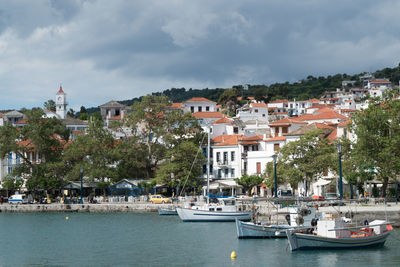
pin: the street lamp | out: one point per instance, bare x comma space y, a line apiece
274, 157
81, 200
339, 149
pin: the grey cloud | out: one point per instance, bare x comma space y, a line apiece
122, 49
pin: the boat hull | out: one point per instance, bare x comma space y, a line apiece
299, 241
195, 215
162, 211
252, 230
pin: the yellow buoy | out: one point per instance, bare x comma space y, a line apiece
233, 255
67, 218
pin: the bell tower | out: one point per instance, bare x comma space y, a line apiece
61, 104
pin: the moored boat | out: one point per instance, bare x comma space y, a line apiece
163, 211
224, 211
333, 234
297, 217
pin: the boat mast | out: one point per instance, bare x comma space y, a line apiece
208, 164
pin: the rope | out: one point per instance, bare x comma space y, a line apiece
187, 177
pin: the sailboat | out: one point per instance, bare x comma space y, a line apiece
224, 210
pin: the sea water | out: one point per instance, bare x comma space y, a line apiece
131, 239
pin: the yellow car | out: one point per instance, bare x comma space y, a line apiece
159, 199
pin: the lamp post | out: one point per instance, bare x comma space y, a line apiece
81, 200
339, 149
274, 157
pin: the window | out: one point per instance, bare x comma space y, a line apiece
258, 167
232, 155
219, 173
205, 151
263, 115
245, 167
226, 172
204, 169
276, 131
207, 108
284, 129
232, 173
225, 157
218, 156
192, 109
200, 109
235, 130
256, 110
211, 168
276, 147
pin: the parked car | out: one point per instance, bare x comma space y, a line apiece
285, 193
331, 198
159, 199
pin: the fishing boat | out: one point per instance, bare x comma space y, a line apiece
163, 211
298, 218
335, 234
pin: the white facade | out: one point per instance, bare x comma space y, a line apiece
61, 104
199, 104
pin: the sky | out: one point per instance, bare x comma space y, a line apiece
102, 50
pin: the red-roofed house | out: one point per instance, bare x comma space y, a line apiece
253, 111
199, 104
332, 117
280, 127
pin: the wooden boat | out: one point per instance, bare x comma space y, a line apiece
298, 217
162, 211
333, 234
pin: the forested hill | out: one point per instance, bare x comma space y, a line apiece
311, 87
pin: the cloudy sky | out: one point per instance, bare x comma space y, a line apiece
101, 50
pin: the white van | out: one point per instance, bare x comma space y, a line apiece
18, 199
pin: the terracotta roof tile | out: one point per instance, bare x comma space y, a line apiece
258, 105
279, 101
198, 99
333, 135
288, 121
209, 115
176, 105
322, 116
223, 120
278, 138
344, 123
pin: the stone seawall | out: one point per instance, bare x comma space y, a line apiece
266, 212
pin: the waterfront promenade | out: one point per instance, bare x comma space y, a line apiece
266, 211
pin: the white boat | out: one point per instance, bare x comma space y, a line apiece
333, 234
298, 217
162, 211
224, 211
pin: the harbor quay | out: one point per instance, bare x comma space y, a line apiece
264, 210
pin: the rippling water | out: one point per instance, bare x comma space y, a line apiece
127, 239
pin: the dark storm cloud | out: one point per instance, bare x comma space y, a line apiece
102, 50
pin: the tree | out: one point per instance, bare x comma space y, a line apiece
306, 159
159, 129
50, 105
249, 181
228, 100
183, 166
11, 184
94, 152
71, 113
40, 136
378, 138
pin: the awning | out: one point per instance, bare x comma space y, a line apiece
321, 182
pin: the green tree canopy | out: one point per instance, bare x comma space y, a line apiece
378, 138
39, 137
306, 159
249, 181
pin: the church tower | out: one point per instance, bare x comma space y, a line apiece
61, 104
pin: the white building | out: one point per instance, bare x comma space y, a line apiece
199, 104
61, 104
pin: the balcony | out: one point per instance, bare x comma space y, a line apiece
222, 164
